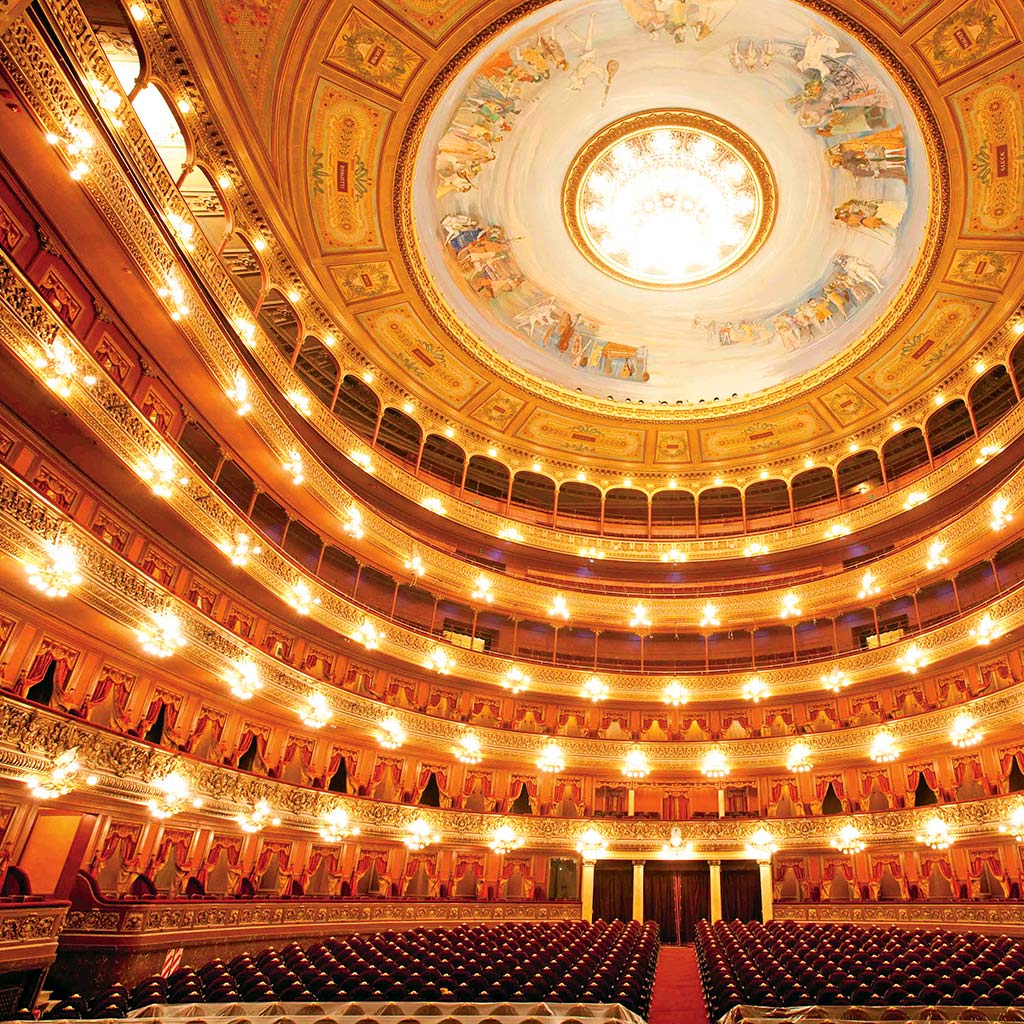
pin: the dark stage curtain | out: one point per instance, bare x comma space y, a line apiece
677, 897
613, 890
741, 891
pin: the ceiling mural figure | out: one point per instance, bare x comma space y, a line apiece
602, 290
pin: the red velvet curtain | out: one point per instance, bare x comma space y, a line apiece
677, 897
471, 780
529, 781
914, 777
741, 891
613, 890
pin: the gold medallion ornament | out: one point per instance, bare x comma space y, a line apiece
669, 199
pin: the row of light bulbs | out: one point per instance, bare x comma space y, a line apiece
173, 795
58, 573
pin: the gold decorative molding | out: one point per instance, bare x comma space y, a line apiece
957, 915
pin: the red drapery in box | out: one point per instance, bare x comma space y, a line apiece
515, 865
965, 766
822, 782
121, 836
339, 754
303, 748
574, 786
177, 840
841, 865
1007, 756
62, 660
317, 856
270, 851
778, 785
881, 862
529, 781
428, 861
172, 703
385, 766
208, 719
929, 861
782, 865
465, 862
376, 857
484, 778
928, 771
109, 681
978, 860
869, 779
248, 734
229, 844
439, 772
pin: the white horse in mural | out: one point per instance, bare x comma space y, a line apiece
544, 314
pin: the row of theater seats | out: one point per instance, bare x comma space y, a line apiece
783, 963
565, 961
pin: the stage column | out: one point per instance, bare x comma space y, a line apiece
587, 890
638, 890
765, 867
715, 870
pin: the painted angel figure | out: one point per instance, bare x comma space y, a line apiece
586, 66
859, 271
820, 45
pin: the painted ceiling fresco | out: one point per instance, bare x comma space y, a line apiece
841, 139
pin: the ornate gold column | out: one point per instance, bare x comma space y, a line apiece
587, 890
631, 802
638, 890
715, 870
765, 867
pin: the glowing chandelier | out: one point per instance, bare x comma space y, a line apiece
506, 840
591, 845
551, 759
335, 826
884, 748
174, 796
755, 690
59, 573
835, 680
419, 836
761, 845
1015, 825
964, 731
317, 712
163, 636
636, 766
60, 778
799, 759
244, 680
848, 841
715, 765
259, 818
594, 689
936, 834
677, 848
368, 635
675, 693
468, 749
390, 734
515, 680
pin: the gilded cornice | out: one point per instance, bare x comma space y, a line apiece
126, 596
29, 737
25, 321
38, 82
961, 914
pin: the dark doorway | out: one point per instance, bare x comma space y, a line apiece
741, 891
613, 890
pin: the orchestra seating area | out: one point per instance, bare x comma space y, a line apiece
558, 962
784, 964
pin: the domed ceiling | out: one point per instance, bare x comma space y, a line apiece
644, 238
753, 203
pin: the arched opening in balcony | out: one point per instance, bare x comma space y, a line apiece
280, 323
719, 511
443, 459
948, 428
991, 397
904, 454
400, 435
357, 406
625, 512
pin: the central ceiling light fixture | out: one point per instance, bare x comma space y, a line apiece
669, 199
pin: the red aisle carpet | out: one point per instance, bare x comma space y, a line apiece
677, 996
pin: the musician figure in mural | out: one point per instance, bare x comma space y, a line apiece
879, 155
878, 215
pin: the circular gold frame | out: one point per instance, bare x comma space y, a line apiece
680, 119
